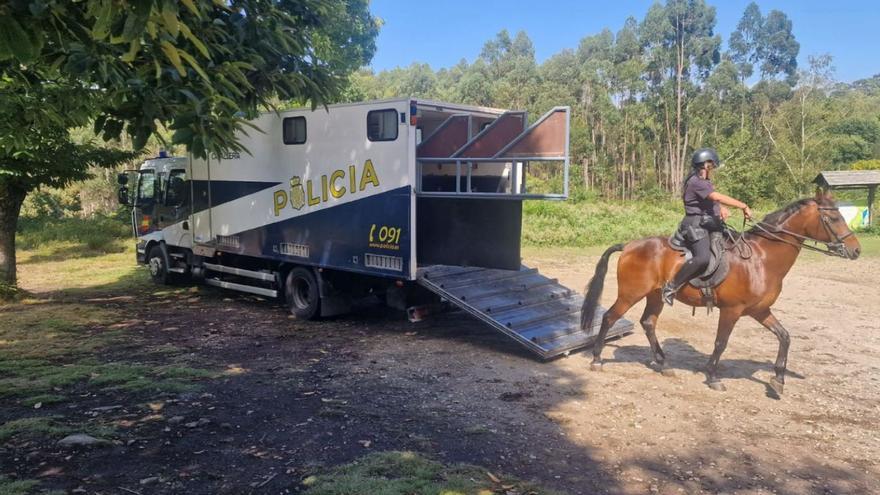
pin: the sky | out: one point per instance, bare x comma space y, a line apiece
443, 32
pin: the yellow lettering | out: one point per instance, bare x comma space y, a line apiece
352, 178
339, 191
280, 200
313, 200
369, 175
324, 188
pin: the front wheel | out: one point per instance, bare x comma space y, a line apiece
303, 296
158, 267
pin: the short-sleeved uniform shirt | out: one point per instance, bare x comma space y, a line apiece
696, 197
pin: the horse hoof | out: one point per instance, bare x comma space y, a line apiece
717, 386
667, 372
776, 385
596, 366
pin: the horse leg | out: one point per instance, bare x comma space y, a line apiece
649, 323
771, 323
610, 317
726, 321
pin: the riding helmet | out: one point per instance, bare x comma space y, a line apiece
703, 155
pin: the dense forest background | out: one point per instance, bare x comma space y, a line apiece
643, 97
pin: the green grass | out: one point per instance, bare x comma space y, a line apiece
870, 244
47, 348
51, 427
60, 339
580, 224
55, 348
43, 426
114, 273
16, 487
407, 473
98, 234
65, 256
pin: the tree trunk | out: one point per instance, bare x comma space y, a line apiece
670, 153
11, 198
623, 163
678, 171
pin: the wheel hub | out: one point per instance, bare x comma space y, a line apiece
155, 266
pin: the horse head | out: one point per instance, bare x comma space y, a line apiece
823, 222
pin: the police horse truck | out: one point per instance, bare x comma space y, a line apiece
401, 198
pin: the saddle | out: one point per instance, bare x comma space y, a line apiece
715, 272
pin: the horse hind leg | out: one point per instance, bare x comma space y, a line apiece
610, 317
649, 324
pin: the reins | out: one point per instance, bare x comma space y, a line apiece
836, 248
739, 243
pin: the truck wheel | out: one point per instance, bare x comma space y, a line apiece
158, 268
301, 291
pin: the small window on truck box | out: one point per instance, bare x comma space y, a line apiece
382, 125
294, 130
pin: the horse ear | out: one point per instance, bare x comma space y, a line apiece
823, 194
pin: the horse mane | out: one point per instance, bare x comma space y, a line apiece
776, 218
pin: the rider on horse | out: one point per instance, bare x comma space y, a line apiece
704, 214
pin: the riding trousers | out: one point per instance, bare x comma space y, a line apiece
695, 229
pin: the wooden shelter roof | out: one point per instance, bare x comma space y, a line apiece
848, 178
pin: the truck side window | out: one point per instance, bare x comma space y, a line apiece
294, 131
177, 194
382, 125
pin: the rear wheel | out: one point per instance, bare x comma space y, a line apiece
301, 291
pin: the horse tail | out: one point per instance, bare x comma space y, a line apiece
594, 288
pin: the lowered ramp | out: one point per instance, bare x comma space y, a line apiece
536, 311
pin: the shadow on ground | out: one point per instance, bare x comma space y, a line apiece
295, 397
682, 356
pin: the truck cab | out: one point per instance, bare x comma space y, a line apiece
161, 207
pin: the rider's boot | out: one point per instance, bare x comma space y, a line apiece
668, 292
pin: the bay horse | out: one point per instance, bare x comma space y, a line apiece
750, 288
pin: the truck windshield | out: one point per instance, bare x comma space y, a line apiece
146, 190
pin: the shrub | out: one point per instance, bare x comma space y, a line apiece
866, 165
97, 233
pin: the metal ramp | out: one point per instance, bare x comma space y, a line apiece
536, 311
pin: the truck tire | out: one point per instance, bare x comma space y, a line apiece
157, 262
302, 294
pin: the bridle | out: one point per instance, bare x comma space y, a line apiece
835, 248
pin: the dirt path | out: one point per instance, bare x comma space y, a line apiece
820, 437
296, 396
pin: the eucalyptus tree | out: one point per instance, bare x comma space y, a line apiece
595, 106
869, 86
681, 49
798, 128
510, 65
768, 42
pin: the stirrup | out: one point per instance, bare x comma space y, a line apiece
668, 293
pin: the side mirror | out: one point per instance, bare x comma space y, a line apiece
122, 195
122, 179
